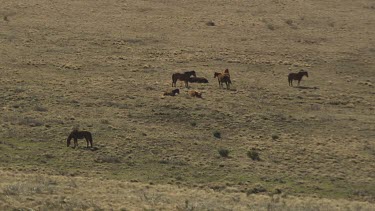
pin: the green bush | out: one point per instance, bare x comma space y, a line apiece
224, 153
253, 154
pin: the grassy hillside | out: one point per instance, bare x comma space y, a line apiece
104, 65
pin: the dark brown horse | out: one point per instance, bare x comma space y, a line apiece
297, 77
182, 77
171, 92
75, 134
198, 80
223, 78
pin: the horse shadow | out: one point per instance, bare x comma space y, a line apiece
93, 149
306, 87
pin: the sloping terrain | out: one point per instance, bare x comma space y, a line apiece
103, 65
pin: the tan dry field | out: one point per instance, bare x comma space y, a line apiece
103, 65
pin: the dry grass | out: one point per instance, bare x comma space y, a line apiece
105, 67
43, 192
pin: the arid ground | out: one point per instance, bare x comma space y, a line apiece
104, 65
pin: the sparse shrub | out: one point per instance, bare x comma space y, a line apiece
270, 26
40, 108
289, 22
104, 121
193, 124
107, 159
217, 134
224, 153
210, 23
253, 154
257, 189
275, 136
30, 122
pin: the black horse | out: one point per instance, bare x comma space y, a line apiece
182, 77
297, 77
75, 134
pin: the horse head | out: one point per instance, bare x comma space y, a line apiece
176, 91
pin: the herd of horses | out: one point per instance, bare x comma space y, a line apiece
186, 77
191, 76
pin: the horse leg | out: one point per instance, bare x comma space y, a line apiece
298, 82
75, 142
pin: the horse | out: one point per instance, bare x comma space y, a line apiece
183, 77
193, 93
223, 78
198, 80
226, 71
172, 92
75, 134
297, 77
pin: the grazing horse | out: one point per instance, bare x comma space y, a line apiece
223, 78
183, 77
75, 134
172, 92
297, 77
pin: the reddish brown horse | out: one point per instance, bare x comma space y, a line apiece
182, 77
223, 78
297, 77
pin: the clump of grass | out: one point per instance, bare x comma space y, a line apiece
289, 22
217, 134
108, 159
40, 108
224, 153
30, 122
270, 26
257, 189
104, 121
253, 154
275, 136
210, 23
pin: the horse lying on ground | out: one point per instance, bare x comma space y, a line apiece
172, 92
75, 134
198, 80
182, 77
223, 78
193, 93
297, 77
